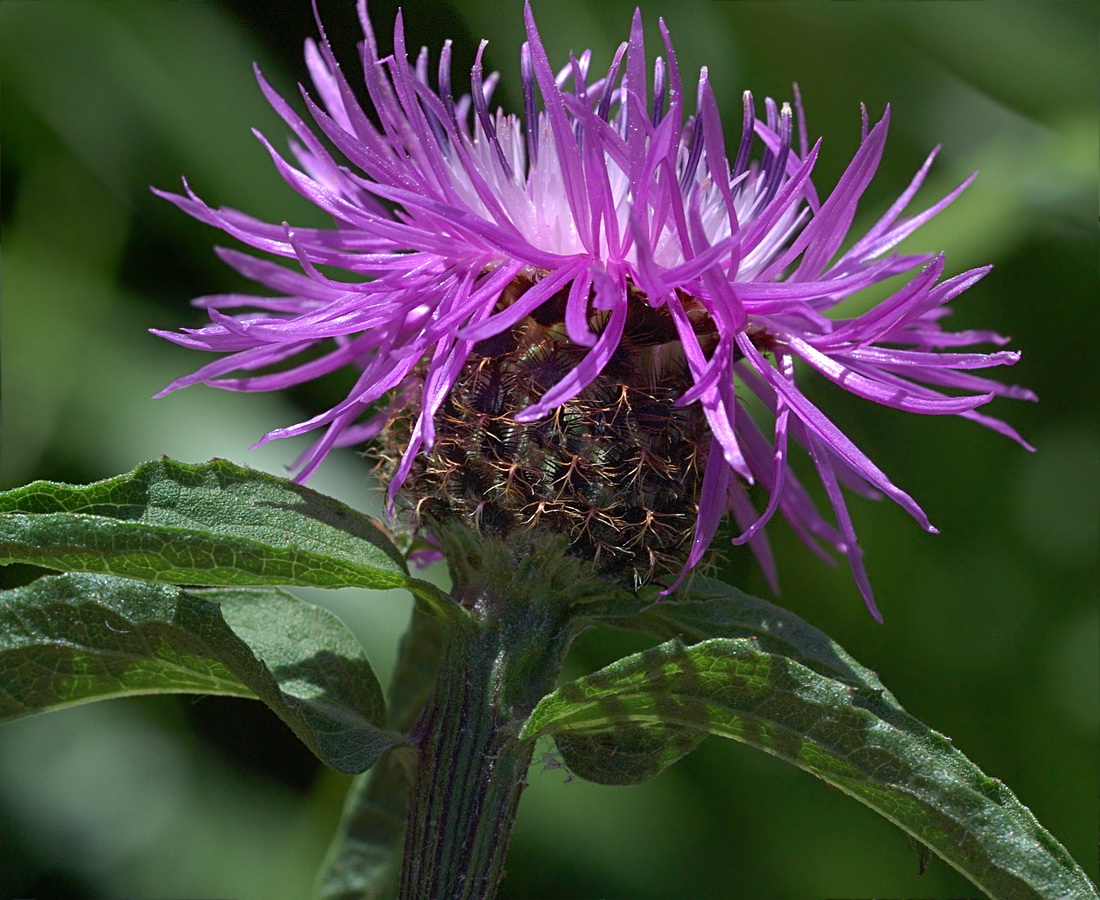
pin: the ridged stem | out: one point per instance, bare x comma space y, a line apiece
471, 768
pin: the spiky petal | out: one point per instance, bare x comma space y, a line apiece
604, 191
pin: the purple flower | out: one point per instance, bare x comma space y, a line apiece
610, 194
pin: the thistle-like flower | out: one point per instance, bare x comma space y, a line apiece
587, 318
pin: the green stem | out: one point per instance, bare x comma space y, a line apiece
472, 767
469, 780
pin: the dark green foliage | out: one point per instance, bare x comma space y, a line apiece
69, 639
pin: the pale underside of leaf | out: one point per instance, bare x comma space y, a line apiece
71, 639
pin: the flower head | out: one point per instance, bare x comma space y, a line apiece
611, 205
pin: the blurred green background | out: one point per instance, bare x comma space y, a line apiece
991, 628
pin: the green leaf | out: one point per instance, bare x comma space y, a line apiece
71, 639
211, 524
363, 859
853, 737
629, 755
711, 609
441, 606
414, 675
708, 608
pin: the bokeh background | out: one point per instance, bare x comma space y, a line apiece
991, 628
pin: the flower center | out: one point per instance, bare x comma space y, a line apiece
618, 468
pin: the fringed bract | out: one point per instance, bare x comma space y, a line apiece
617, 469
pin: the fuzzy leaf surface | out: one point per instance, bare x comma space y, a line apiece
75, 638
710, 609
854, 737
212, 524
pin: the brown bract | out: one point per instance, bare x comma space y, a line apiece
617, 469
